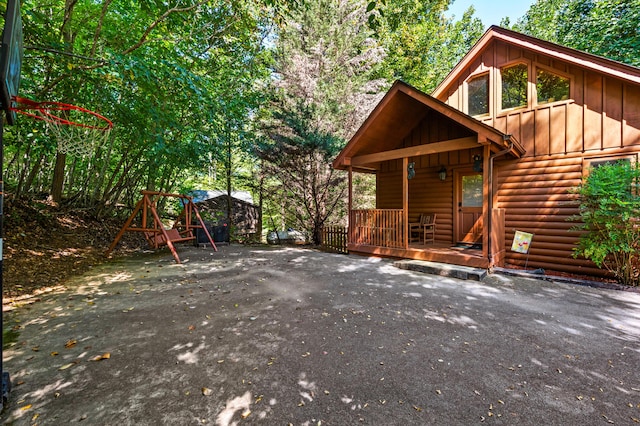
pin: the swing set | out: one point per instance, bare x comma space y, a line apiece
156, 235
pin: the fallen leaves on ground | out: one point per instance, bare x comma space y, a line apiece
44, 244
105, 355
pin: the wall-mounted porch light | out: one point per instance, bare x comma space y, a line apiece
411, 170
442, 173
477, 163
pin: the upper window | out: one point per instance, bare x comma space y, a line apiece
478, 95
514, 86
551, 87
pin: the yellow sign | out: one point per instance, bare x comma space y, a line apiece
521, 242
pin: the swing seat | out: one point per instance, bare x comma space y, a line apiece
157, 239
157, 235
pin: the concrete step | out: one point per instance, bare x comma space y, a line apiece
442, 269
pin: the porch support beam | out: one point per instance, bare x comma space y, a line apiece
486, 194
350, 201
405, 202
350, 206
414, 151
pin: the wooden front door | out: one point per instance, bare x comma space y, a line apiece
469, 208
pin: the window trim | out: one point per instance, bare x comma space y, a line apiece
550, 70
588, 161
473, 76
528, 104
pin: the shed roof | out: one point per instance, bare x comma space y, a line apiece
203, 194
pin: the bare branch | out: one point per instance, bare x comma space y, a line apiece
68, 12
61, 52
144, 38
96, 35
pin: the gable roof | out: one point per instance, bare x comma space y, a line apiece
397, 114
579, 58
203, 195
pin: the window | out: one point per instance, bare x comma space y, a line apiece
595, 162
471, 191
551, 87
478, 95
514, 86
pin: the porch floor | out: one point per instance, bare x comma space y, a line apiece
434, 252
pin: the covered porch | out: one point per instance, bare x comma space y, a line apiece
428, 158
381, 232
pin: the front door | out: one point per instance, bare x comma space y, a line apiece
469, 199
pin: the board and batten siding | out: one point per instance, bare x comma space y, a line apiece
602, 112
601, 118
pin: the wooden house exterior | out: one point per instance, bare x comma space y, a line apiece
514, 126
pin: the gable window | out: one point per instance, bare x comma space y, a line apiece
514, 86
551, 87
478, 95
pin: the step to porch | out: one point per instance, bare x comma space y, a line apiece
442, 269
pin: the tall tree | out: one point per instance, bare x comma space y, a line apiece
299, 154
325, 57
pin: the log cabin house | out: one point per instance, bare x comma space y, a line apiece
493, 150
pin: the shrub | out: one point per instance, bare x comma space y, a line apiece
610, 213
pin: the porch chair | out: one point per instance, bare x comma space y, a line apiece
424, 229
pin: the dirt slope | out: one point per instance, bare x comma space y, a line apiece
44, 245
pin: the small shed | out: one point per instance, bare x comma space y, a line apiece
244, 223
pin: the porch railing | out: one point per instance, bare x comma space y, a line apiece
376, 227
334, 238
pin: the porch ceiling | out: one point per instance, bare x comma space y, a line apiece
392, 124
399, 112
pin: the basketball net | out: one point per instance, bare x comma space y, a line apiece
77, 131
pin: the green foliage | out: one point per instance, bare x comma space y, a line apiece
299, 155
422, 44
324, 62
610, 212
603, 27
178, 82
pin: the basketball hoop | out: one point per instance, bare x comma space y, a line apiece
77, 130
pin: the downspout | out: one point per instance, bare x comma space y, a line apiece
490, 200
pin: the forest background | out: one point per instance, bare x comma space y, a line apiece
237, 95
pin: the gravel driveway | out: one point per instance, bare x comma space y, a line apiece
278, 336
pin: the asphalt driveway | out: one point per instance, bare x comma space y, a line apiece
278, 336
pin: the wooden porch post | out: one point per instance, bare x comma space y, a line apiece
405, 203
486, 193
350, 203
350, 225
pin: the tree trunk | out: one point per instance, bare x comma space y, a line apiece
228, 166
317, 233
260, 206
99, 182
57, 183
24, 188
